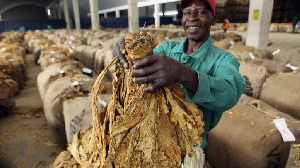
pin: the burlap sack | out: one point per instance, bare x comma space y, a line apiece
5, 91
43, 78
288, 55
78, 113
54, 72
218, 36
78, 51
233, 36
262, 54
274, 27
87, 56
19, 73
13, 85
240, 55
55, 96
99, 60
246, 137
223, 44
49, 59
282, 91
256, 75
271, 65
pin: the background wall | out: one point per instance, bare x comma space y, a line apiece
25, 12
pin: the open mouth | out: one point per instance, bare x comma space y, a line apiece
193, 27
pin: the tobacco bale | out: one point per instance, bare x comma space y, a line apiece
243, 48
282, 91
223, 44
271, 65
218, 36
19, 73
78, 51
51, 58
288, 55
99, 60
274, 27
256, 75
78, 113
54, 98
53, 72
246, 137
262, 54
240, 55
13, 85
235, 37
87, 56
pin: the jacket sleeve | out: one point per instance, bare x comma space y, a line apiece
222, 90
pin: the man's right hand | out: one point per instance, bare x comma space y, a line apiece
120, 51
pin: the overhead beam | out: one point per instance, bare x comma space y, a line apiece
52, 3
139, 4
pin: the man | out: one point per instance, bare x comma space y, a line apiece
294, 23
208, 75
225, 25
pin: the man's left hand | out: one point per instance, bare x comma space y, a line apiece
159, 70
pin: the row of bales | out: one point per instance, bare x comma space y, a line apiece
13, 74
274, 27
71, 60
246, 135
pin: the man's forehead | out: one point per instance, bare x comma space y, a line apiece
193, 6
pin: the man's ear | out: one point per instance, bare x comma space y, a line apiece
213, 20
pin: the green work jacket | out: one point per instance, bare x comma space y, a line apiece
220, 83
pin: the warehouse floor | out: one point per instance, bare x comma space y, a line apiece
26, 140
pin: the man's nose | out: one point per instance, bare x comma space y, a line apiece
193, 16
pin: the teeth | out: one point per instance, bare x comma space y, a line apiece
193, 27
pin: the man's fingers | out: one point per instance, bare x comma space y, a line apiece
122, 45
145, 79
119, 51
116, 49
145, 61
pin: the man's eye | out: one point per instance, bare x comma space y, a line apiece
187, 13
201, 12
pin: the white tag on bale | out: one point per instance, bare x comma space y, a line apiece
76, 83
286, 134
86, 70
251, 55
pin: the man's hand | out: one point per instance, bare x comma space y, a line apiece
119, 51
162, 71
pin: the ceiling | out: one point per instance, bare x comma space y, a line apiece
9, 4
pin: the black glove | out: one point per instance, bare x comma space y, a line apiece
248, 90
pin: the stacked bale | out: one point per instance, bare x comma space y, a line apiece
246, 137
13, 72
282, 91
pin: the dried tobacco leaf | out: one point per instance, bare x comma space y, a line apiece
138, 129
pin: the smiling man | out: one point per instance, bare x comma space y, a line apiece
208, 75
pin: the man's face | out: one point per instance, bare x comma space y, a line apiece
197, 20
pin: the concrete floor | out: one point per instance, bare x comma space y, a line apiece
25, 138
